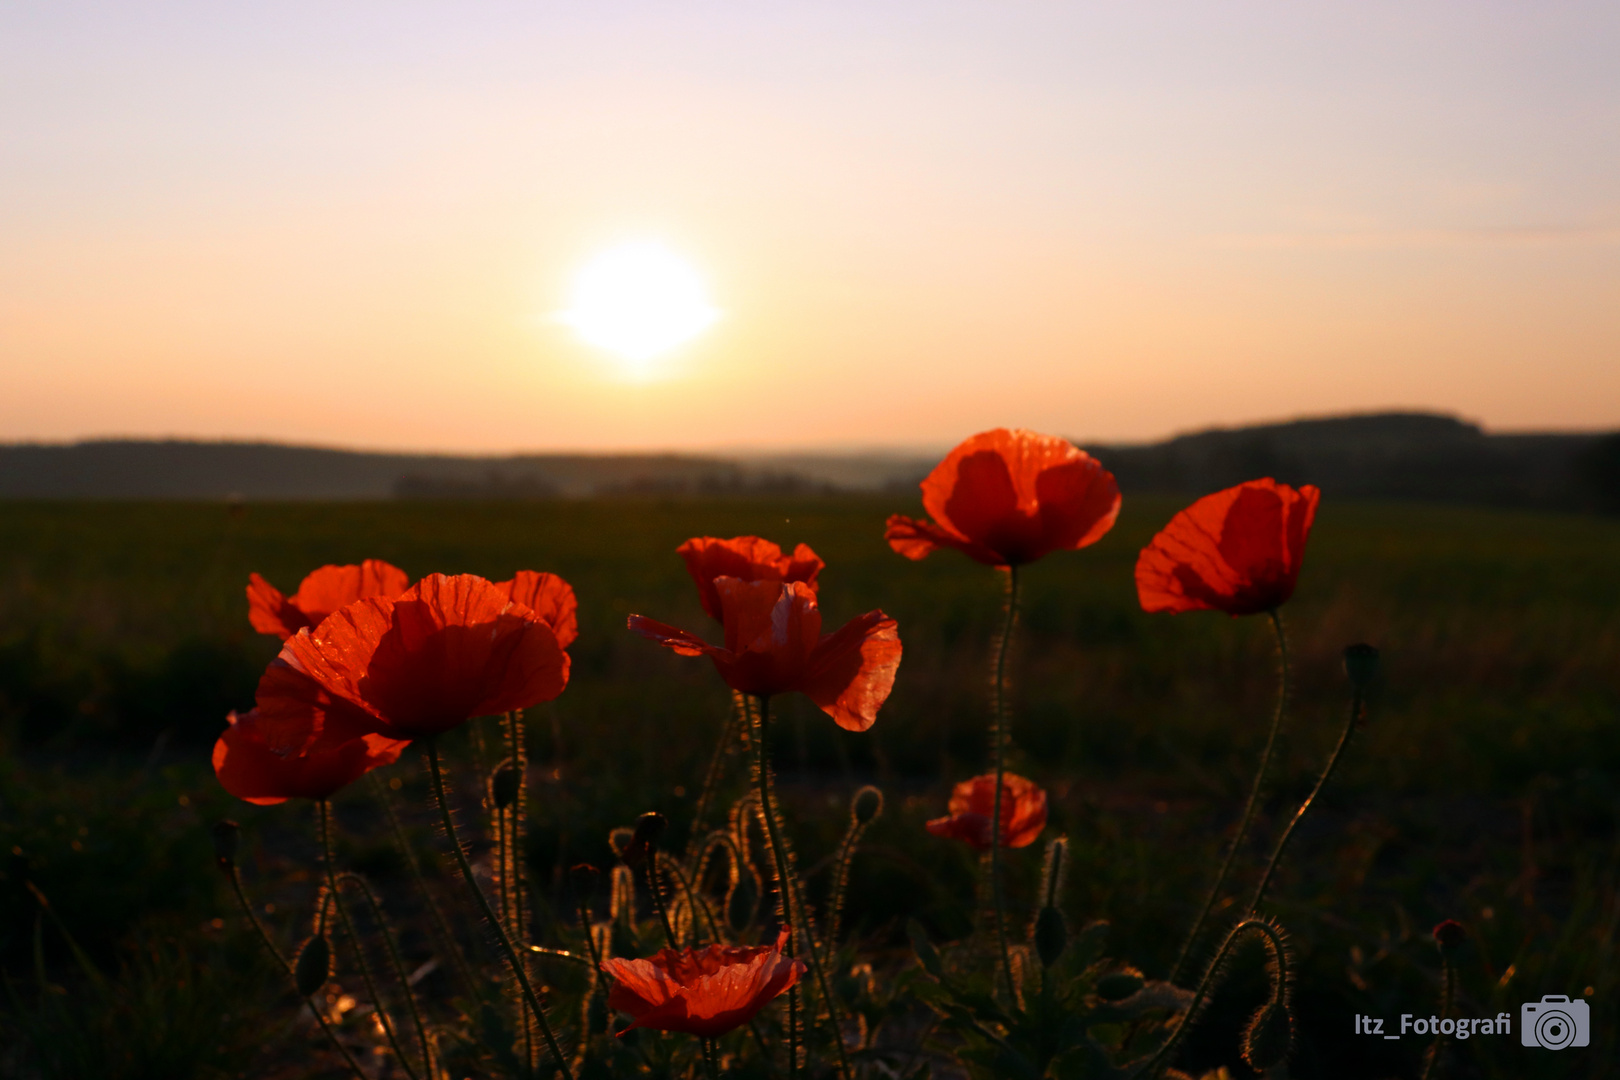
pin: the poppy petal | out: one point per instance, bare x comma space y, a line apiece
682, 642
747, 558
852, 670
549, 597
270, 612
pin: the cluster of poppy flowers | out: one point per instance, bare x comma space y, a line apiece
370, 662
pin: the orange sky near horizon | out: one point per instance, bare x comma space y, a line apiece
1113, 221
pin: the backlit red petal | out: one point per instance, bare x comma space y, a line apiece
270, 612
747, 558
852, 670
549, 597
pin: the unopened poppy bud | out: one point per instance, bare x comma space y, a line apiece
867, 805
1119, 985
584, 878
313, 967
1361, 665
1051, 935
649, 827
225, 833
1449, 935
504, 786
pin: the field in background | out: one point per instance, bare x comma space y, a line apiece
1484, 787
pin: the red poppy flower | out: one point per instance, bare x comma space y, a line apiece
704, 992
746, 558
298, 742
774, 645
549, 597
1008, 497
448, 649
1237, 551
1023, 812
318, 595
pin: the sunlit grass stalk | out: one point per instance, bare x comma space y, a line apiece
286, 965
1356, 700
1160, 1061
323, 810
447, 939
998, 751
786, 889
398, 962
513, 960
655, 888
1249, 807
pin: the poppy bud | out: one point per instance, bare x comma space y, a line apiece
225, 833
503, 785
584, 878
867, 805
1270, 1033
1119, 985
649, 827
1361, 665
1051, 935
314, 965
1449, 935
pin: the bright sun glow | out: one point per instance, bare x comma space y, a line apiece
639, 301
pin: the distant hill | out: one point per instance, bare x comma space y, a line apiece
1388, 456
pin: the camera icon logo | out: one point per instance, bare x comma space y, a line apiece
1555, 1022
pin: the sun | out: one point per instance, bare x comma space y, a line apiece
639, 301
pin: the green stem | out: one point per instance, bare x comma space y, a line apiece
264, 936
711, 1063
323, 810
785, 885
998, 750
441, 925
1310, 800
512, 958
399, 967
1160, 1061
1249, 807
511, 867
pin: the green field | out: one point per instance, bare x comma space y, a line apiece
1485, 788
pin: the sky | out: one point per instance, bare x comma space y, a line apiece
355, 224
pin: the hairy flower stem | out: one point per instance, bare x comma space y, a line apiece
1249, 807
1448, 980
512, 958
654, 888
270, 946
323, 810
711, 1063
399, 967
447, 940
511, 860
1310, 800
1160, 1061
998, 750
785, 886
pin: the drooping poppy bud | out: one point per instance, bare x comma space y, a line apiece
1269, 1035
1119, 985
1361, 665
226, 834
503, 786
867, 805
313, 967
1449, 936
1051, 935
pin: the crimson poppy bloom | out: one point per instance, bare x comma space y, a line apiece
298, 742
774, 645
746, 558
1023, 812
703, 992
448, 649
549, 597
1237, 551
1006, 498
318, 595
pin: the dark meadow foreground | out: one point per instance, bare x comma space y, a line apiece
1484, 788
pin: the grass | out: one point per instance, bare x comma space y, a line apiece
1483, 788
